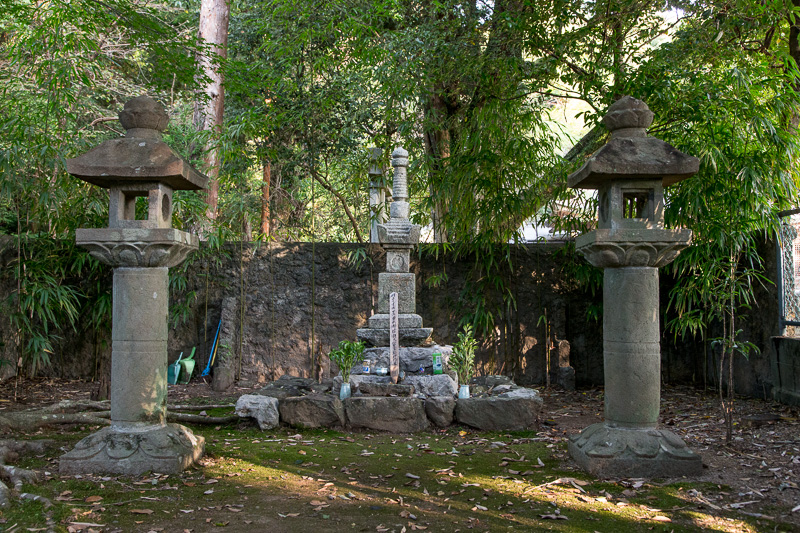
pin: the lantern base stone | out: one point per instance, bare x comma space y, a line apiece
609, 452
133, 449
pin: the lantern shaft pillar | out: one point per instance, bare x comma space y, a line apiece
631, 348
139, 345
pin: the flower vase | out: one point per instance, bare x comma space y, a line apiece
344, 392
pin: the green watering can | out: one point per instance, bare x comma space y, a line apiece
187, 367
174, 370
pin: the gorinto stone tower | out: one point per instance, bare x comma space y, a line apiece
398, 236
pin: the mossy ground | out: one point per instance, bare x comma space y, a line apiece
322, 480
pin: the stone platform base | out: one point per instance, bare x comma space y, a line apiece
380, 336
641, 453
411, 359
515, 410
134, 450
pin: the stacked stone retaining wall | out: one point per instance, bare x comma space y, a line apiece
298, 292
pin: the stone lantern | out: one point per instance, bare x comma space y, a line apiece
141, 250
630, 173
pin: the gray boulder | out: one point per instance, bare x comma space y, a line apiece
263, 408
428, 386
397, 415
440, 410
511, 411
356, 380
312, 411
287, 386
500, 389
385, 389
491, 381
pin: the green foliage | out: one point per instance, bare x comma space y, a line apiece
346, 356
358, 257
462, 360
475, 91
64, 67
732, 345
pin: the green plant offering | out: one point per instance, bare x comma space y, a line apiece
462, 360
346, 355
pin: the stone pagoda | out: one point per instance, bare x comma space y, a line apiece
141, 250
398, 237
630, 244
377, 194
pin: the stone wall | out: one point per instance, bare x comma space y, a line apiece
274, 329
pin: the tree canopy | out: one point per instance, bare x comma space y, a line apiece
496, 102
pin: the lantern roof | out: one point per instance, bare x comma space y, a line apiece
631, 154
140, 156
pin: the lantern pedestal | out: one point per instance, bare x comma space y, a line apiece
133, 449
628, 443
607, 452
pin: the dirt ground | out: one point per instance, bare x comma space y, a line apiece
757, 475
761, 468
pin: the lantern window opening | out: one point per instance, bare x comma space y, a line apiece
142, 201
635, 204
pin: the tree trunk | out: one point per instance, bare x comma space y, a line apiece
437, 146
265, 211
209, 107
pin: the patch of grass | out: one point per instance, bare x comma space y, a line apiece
324, 480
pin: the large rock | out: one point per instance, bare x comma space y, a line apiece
428, 386
491, 381
356, 380
510, 411
312, 411
287, 386
385, 389
263, 408
398, 415
440, 410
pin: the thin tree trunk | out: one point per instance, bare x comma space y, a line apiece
266, 176
437, 145
328, 187
209, 107
732, 332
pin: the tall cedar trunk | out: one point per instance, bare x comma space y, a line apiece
265, 211
209, 108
